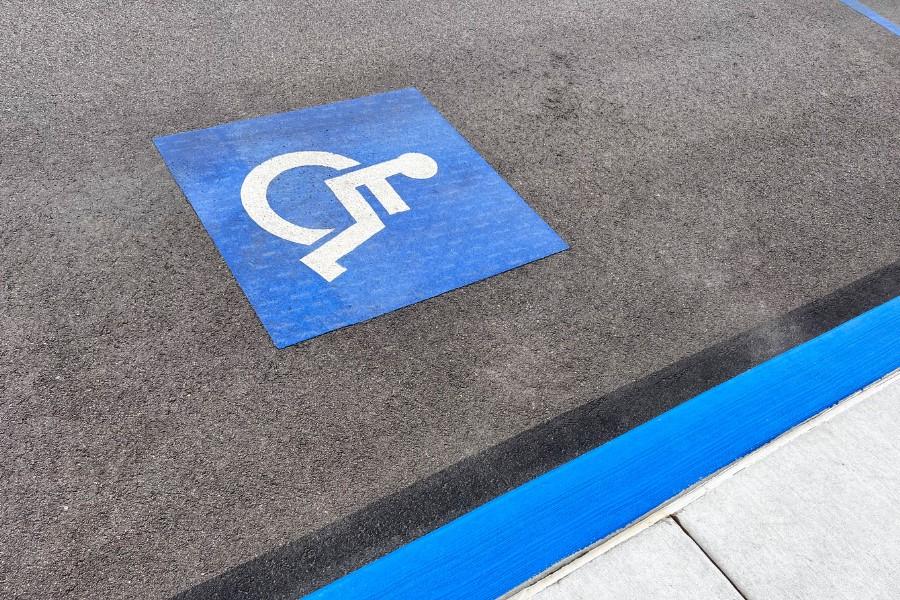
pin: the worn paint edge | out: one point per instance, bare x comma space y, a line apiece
873, 16
520, 534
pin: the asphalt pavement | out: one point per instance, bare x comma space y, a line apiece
716, 168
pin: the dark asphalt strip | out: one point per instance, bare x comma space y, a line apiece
314, 560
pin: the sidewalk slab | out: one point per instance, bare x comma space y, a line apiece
817, 518
661, 562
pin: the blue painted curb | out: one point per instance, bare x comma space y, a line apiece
492, 549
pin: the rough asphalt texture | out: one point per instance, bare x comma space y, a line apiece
713, 165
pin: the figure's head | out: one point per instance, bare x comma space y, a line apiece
416, 165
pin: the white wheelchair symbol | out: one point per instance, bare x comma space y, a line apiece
323, 260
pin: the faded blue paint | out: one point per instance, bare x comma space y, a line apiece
464, 224
874, 16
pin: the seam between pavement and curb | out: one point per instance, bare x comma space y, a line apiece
527, 530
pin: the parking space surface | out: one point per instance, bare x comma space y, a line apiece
712, 166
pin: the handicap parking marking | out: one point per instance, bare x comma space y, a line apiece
323, 260
331, 215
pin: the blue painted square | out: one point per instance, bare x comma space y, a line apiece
335, 214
